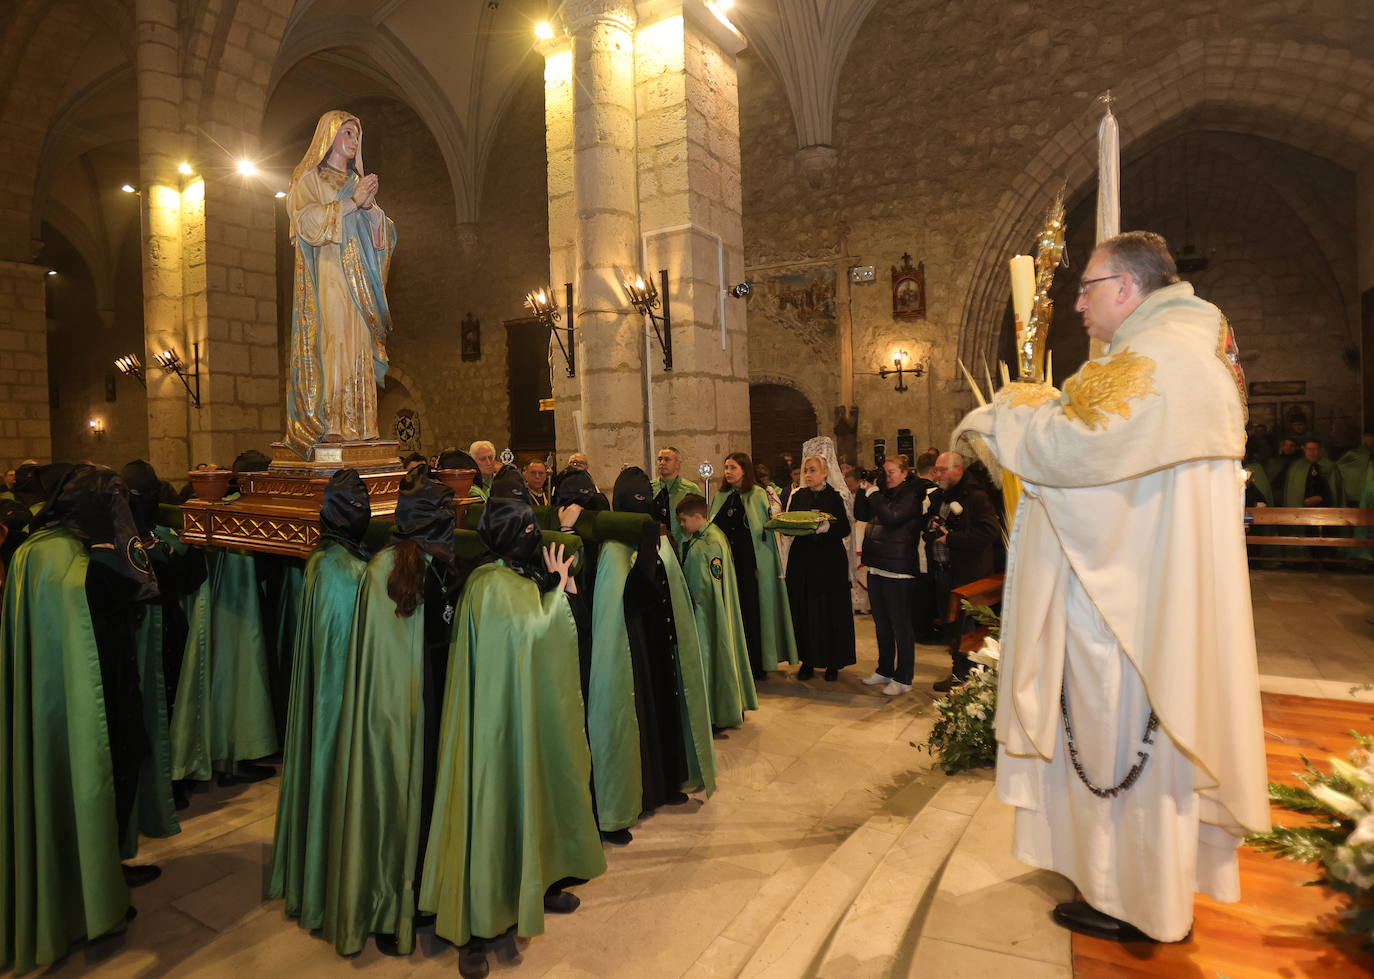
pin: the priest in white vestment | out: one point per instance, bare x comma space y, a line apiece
1128, 722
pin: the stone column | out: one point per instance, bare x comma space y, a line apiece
689, 182
162, 146
25, 430
1364, 253
609, 344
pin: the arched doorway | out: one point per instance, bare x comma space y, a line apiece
780, 420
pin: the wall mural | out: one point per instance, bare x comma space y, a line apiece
801, 300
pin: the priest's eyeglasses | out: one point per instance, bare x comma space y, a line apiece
1084, 283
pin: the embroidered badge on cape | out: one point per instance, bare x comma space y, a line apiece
1108, 387
717, 568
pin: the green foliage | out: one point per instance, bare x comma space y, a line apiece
964, 735
984, 616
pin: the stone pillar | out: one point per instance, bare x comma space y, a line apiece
1364, 254
162, 146
689, 184
558, 119
609, 334
25, 430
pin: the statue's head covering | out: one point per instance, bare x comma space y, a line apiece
325, 132
93, 503
424, 514
345, 511
144, 492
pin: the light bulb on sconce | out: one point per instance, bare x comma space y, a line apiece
540, 303
543, 30
184, 169
97, 428
900, 367
247, 168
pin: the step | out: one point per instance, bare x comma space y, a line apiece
801, 935
879, 931
989, 914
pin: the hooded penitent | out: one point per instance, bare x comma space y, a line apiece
345, 511
508, 529
424, 514
144, 489
93, 503
577, 486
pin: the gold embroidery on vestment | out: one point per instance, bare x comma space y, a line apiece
1107, 387
1228, 352
1032, 394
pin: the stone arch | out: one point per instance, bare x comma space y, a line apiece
427, 430
807, 388
414, 84
1305, 95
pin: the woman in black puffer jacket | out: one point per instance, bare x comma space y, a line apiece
893, 514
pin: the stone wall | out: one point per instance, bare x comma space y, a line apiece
24, 430
952, 138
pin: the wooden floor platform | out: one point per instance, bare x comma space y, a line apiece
1279, 928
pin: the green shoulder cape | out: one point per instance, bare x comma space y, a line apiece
612, 728
374, 822
59, 846
223, 709
300, 856
155, 811
1295, 481
677, 489
710, 575
512, 808
775, 614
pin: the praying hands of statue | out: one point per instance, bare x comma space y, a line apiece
364, 196
559, 561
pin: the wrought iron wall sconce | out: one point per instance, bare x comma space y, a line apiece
97, 428
171, 364
130, 366
646, 298
900, 368
541, 304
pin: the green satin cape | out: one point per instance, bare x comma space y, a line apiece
155, 811
512, 809
374, 823
1295, 481
709, 571
612, 727
300, 848
59, 845
223, 709
677, 489
775, 614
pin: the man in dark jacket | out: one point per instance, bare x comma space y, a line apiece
962, 535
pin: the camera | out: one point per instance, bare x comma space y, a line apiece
870, 475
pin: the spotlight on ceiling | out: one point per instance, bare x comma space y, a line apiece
184, 169
247, 169
129, 188
543, 30
52, 271
279, 194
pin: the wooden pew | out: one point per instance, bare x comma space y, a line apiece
984, 591
1303, 517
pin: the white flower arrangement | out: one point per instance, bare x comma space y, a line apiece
1342, 839
964, 735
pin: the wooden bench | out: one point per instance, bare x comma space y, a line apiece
984, 591
1322, 518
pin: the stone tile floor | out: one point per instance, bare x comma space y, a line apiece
703, 884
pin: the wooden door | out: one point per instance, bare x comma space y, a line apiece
781, 419
528, 382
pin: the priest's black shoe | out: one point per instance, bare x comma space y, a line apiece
561, 902
1082, 917
945, 685
805, 673
136, 875
620, 837
472, 960
246, 774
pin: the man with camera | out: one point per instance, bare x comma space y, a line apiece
962, 535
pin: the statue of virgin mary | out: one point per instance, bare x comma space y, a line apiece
339, 313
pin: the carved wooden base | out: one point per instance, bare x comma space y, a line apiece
278, 511
326, 457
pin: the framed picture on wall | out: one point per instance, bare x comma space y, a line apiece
471, 338
1291, 413
111, 389
1265, 413
909, 290
1277, 389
